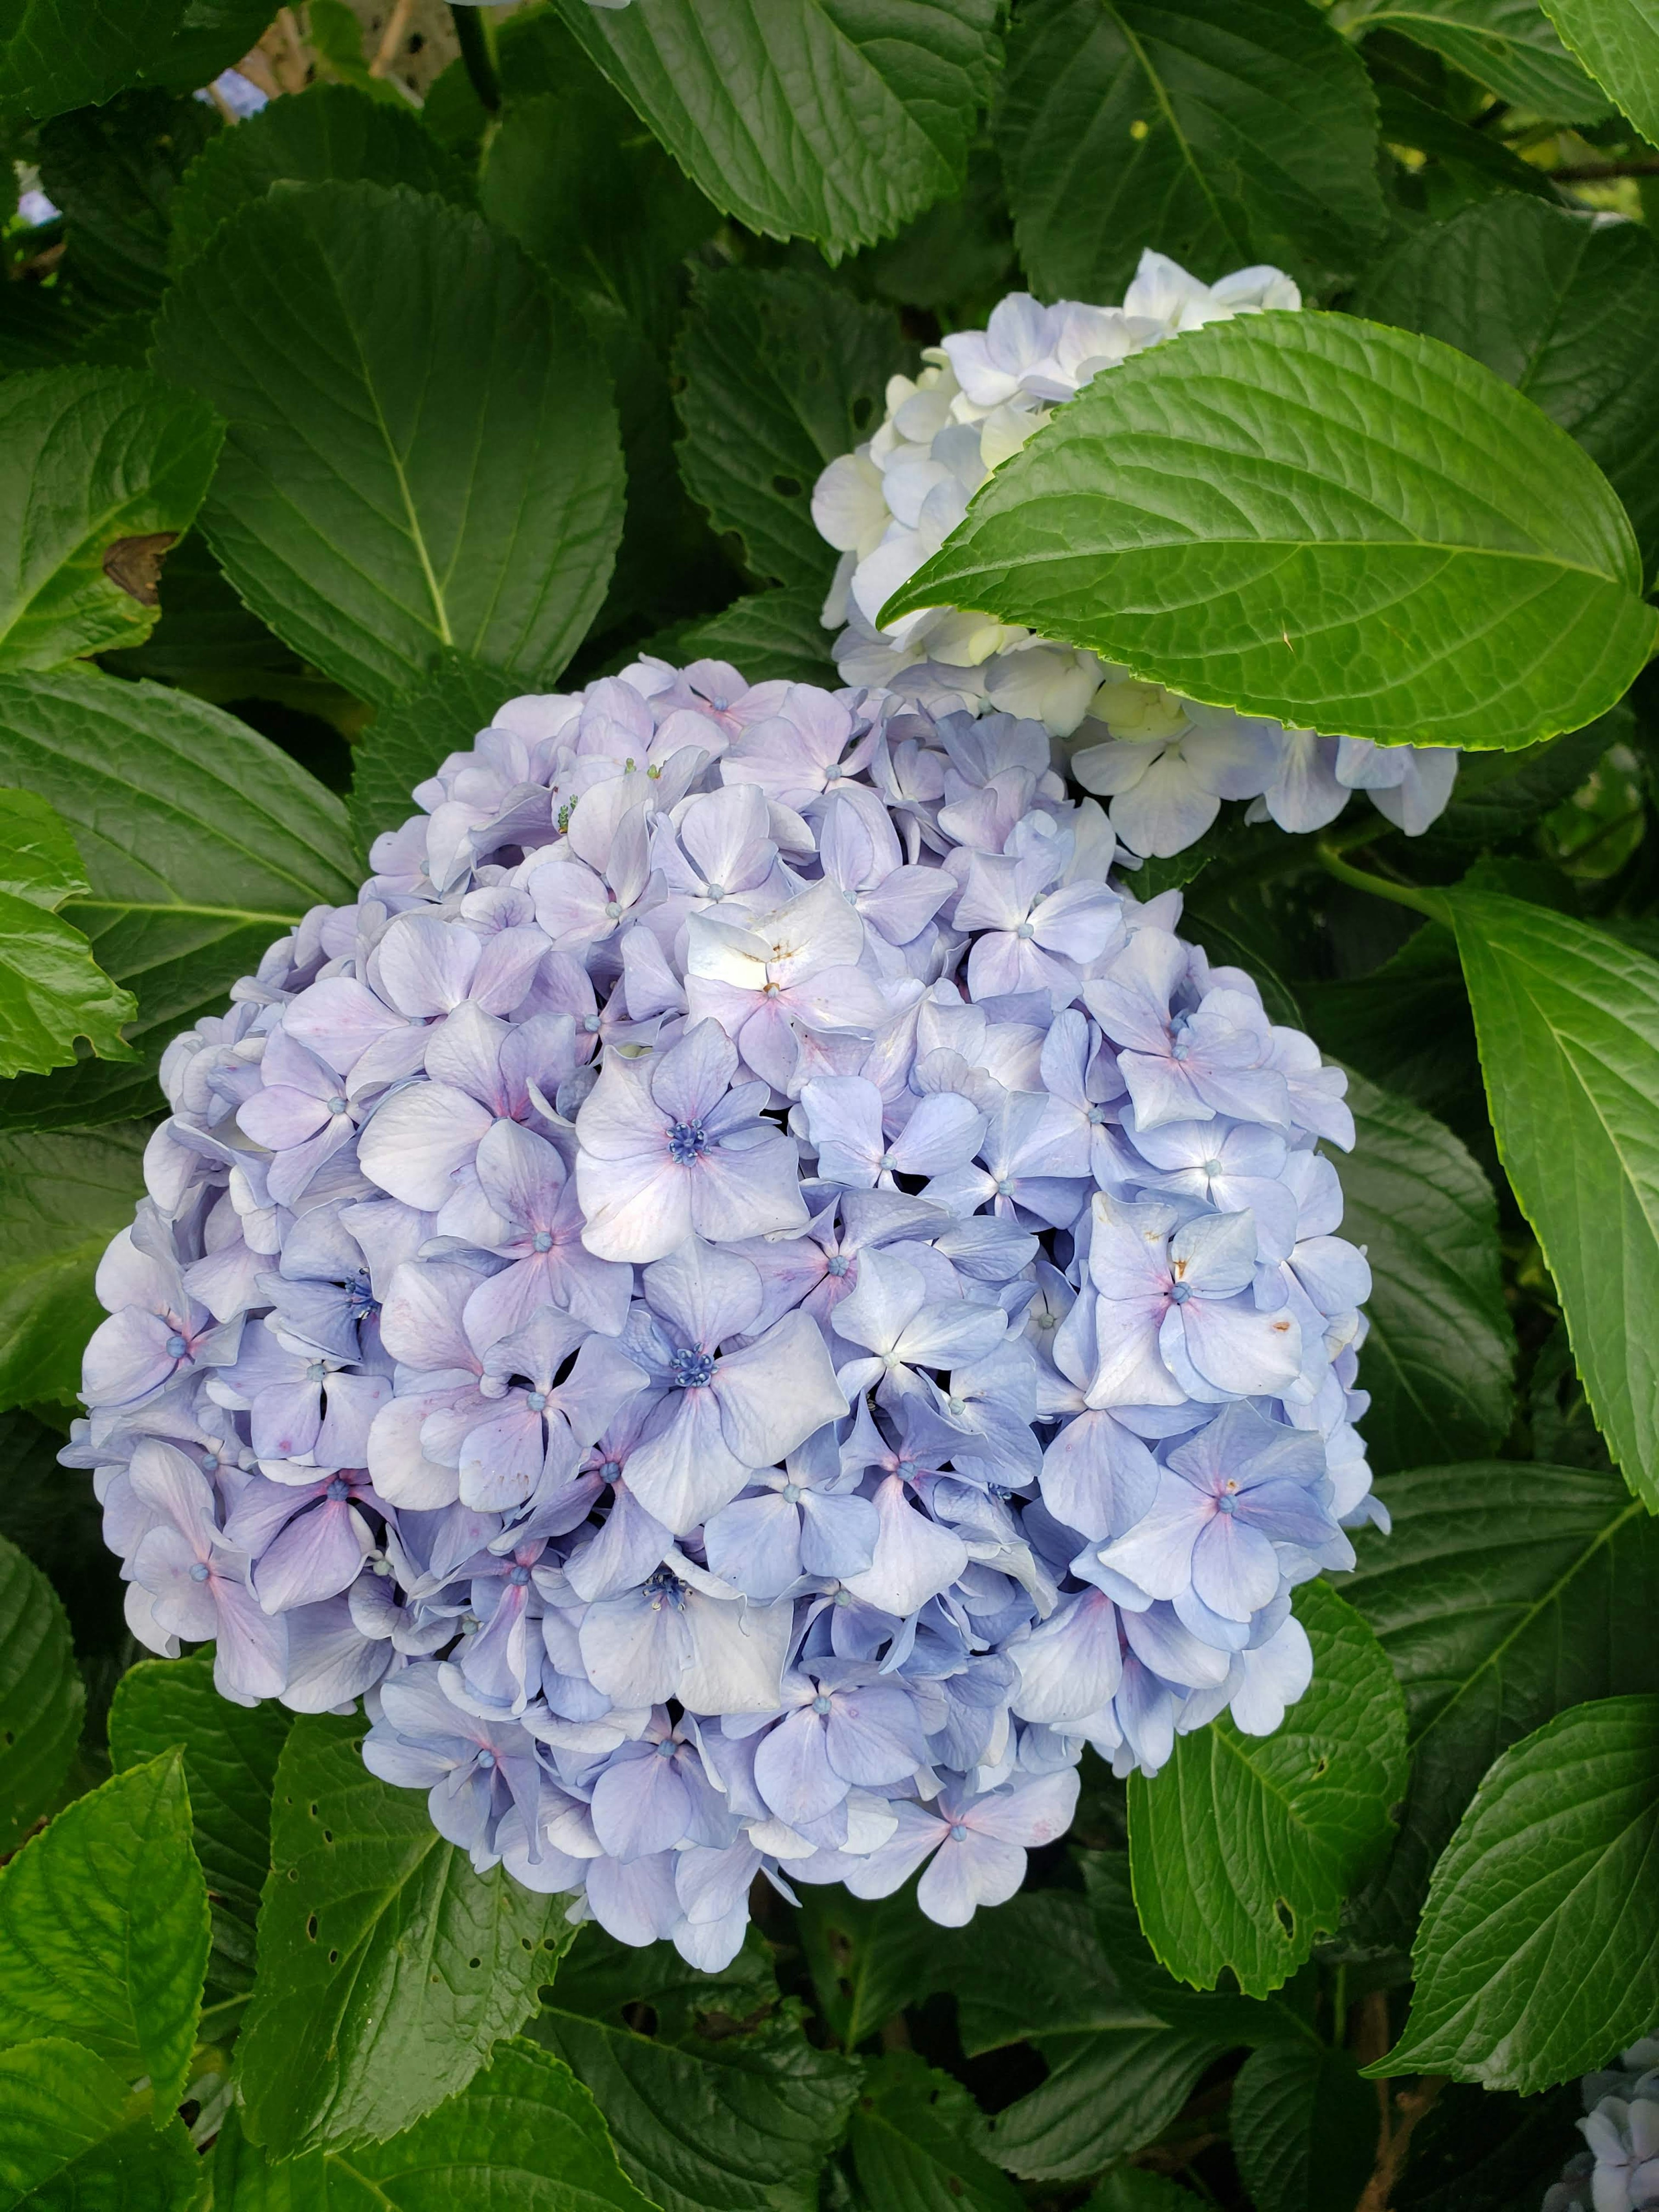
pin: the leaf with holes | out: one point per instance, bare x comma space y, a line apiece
52, 990
1219, 131
422, 450
387, 1968
1440, 1349
779, 373
1507, 44
1561, 305
230, 1768
835, 120
1568, 1023
42, 1700
1505, 1594
1346, 527
1244, 1848
202, 843
1538, 1949
62, 1198
103, 470
104, 1929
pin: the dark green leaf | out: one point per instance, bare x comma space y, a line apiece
726, 2107
1220, 131
1564, 305
1439, 1358
113, 171
781, 372
407, 743
1506, 1593
1105, 2095
331, 131
1408, 1024
1617, 42
1568, 1021
957, 258
522, 2133
59, 54
911, 2143
202, 842
1132, 2189
103, 470
1385, 539
1478, 162
1564, 1431
869, 1958
1485, 2150
1244, 1848
1305, 2128
387, 1968
771, 636
423, 451
41, 1697
835, 120
72, 2139
52, 990
213, 37
104, 1929
55, 1520
1498, 795
1539, 1951
230, 1765
62, 1198
1507, 44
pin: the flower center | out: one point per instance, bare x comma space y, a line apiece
959, 1832
337, 1490
791, 1493
536, 1399
820, 1704
694, 1368
518, 1576
317, 1372
613, 912
542, 1241
1024, 929
1179, 1293
837, 1264
198, 1573
713, 890
663, 1587
337, 1105
486, 1760
591, 1024
177, 1346
687, 1141
666, 1748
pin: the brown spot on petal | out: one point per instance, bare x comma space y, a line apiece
135, 564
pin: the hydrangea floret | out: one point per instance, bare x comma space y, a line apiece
1619, 2171
1164, 762
749, 1301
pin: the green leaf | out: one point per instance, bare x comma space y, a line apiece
1475, 163
104, 1929
1498, 795
59, 54
1617, 42
387, 1968
1244, 1848
1385, 541
52, 990
103, 470
1408, 1024
835, 120
1303, 2128
1568, 1023
1132, 2189
213, 38
331, 132
423, 451
1505, 1594
869, 1958
113, 171
1539, 1951
1506, 45
780, 372
230, 1766
911, 2143
72, 2139
1561, 305
1219, 131
1485, 2150
202, 843
407, 743
62, 1198
42, 1700
523, 2132
1439, 1358
769, 637
768, 2106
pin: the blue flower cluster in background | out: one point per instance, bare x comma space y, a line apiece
1620, 2171
748, 1301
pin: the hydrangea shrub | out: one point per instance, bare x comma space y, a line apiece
809, 1401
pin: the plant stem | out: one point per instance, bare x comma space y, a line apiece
474, 35
1589, 173
1425, 902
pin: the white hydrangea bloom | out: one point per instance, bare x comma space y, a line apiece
1620, 2171
1163, 763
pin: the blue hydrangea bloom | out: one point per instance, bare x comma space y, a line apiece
748, 1300
1620, 2171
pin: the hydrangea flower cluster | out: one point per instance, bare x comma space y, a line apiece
1164, 763
1620, 2171
748, 1301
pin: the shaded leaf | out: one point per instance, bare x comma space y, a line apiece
59, 54
1219, 132
62, 1198
769, 637
1507, 44
408, 743
213, 37
113, 171
1386, 541
387, 1968
104, 1929
1303, 2128
42, 1699
910, 2139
